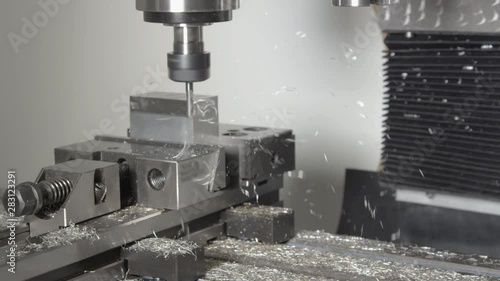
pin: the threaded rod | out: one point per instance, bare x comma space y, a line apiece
55, 191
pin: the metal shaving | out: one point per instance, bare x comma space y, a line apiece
4, 223
3, 220
131, 213
252, 210
326, 264
347, 242
164, 247
320, 238
177, 152
226, 271
63, 237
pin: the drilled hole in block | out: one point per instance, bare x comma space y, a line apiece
156, 179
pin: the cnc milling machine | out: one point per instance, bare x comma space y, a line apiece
144, 207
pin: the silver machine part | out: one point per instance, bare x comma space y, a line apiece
164, 176
190, 99
80, 204
155, 116
360, 3
187, 6
188, 63
188, 39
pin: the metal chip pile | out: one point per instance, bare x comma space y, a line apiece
130, 213
341, 241
164, 247
252, 210
3, 220
326, 264
63, 237
320, 238
228, 271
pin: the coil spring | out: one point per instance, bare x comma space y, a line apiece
58, 189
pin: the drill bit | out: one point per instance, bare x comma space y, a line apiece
190, 98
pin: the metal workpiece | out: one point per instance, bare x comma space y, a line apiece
175, 185
173, 104
167, 117
361, 3
67, 194
185, 173
262, 223
166, 259
255, 154
162, 175
320, 263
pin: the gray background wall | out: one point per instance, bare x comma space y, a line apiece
299, 64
